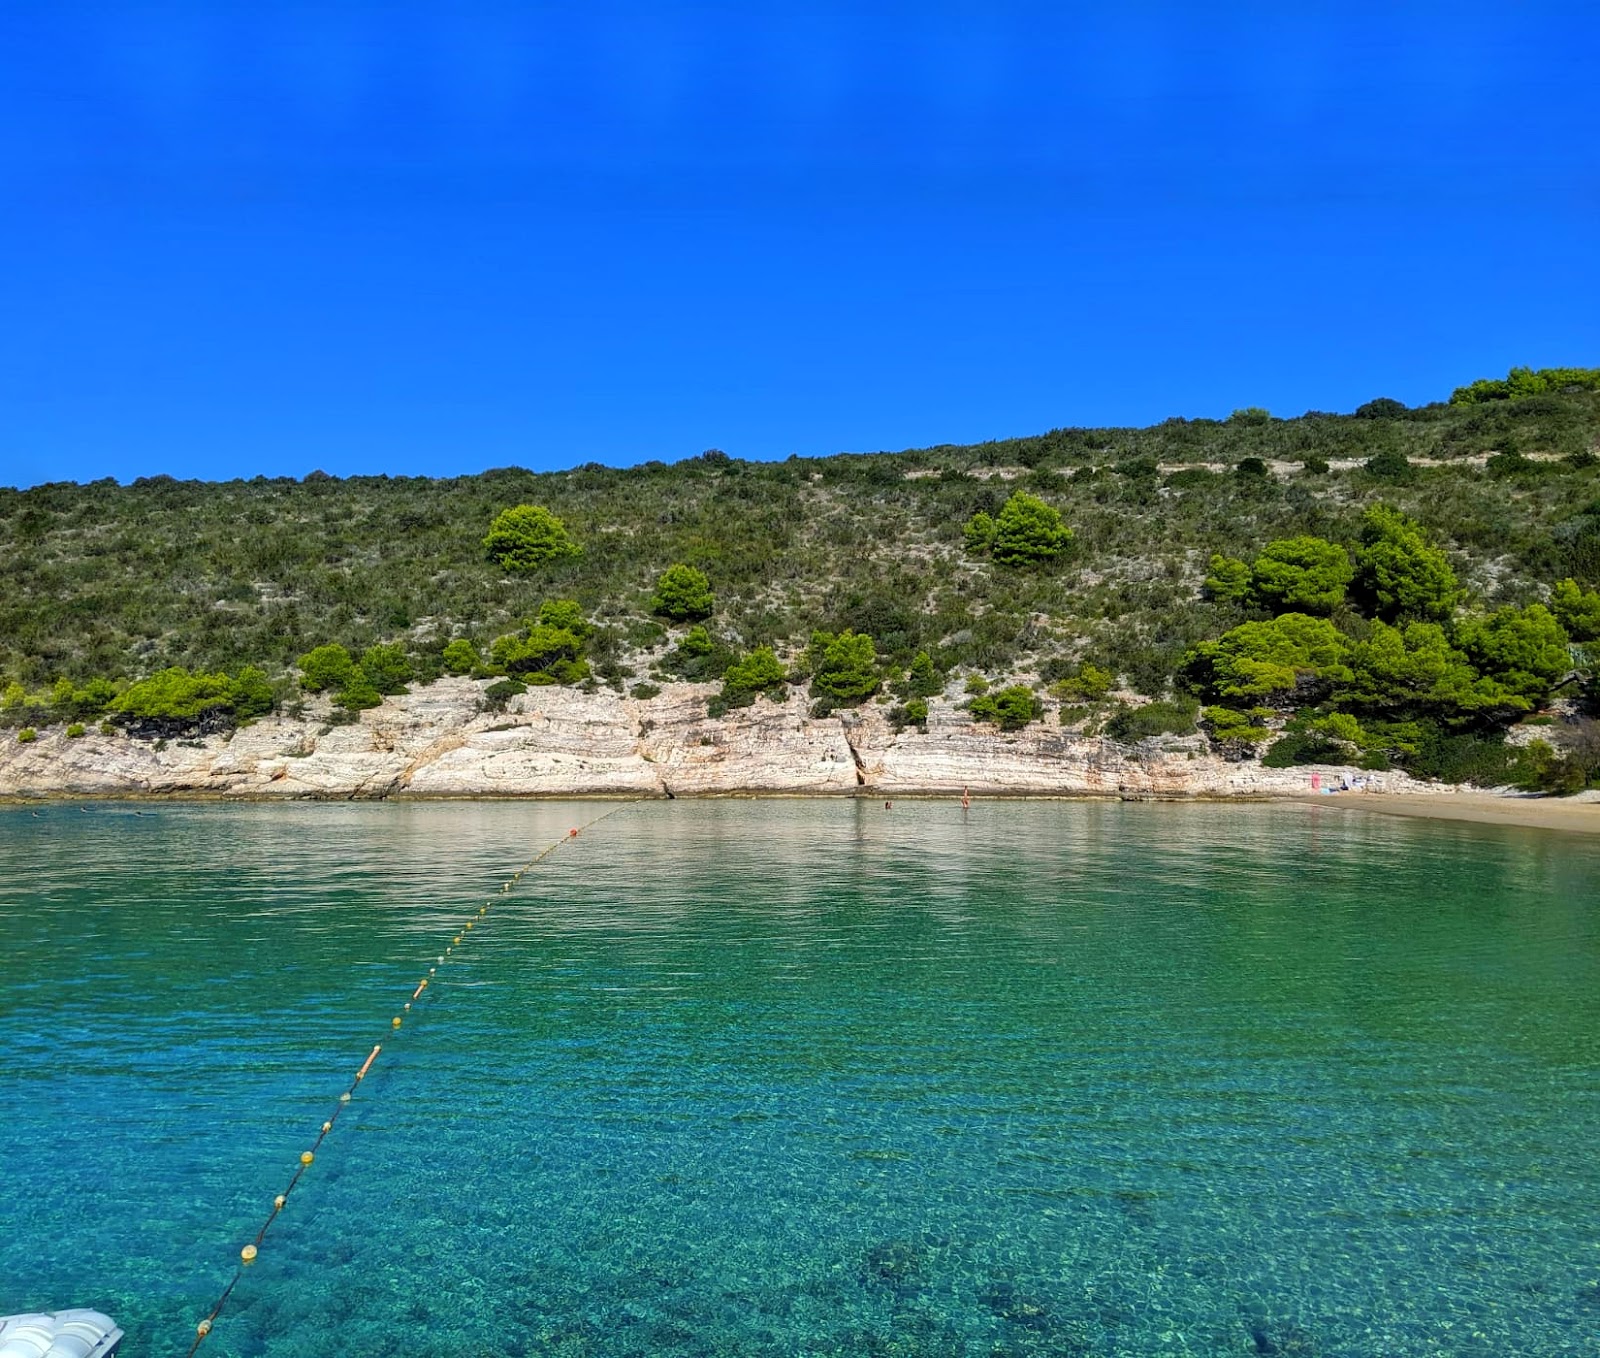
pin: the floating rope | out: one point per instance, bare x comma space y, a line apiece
247, 1255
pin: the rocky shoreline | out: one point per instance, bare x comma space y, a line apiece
559, 742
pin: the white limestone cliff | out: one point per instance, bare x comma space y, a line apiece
557, 742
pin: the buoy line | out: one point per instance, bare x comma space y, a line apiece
248, 1254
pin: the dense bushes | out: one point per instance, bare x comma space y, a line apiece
175, 701
1010, 708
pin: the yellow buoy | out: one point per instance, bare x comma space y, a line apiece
395, 1022
248, 1254
306, 1157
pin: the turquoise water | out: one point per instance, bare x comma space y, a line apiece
806, 1078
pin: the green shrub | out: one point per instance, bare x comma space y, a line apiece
175, 700
1011, 708
1026, 532
501, 692
844, 667
386, 667
75, 730
326, 667
72, 702
461, 657
1230, 727
1480, 758
1252, 469
1315, 466
27, 735
1510, 463
759, 672
1304, 747
923, 680
359, 693
1525, 382
526, 537
549, 649
683, 594
253, 695
1131, 724
1090, 684
1392, 466
1229, 579
698, 657
1577, 610
644, 692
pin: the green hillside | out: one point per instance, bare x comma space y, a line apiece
120, 582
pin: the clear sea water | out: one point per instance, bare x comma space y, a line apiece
798, 1078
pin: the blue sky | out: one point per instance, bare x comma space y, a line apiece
244, 239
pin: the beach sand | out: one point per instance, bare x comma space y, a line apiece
1579, 816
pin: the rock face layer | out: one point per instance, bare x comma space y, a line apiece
555, 742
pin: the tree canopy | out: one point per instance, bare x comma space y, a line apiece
683, 594
1399, 572
1027, 532
844, 666
526, 537
1301, 575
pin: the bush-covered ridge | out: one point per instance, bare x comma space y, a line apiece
1026, 562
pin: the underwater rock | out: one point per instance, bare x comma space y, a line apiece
897, 1262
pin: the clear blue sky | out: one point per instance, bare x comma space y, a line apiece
242, 239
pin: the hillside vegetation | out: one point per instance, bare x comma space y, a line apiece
1128, 558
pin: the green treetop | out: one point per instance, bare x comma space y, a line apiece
461, 657
1027, 532
386, 667
1256, 659
1301, 575
683, 594
923, 680
759, 672
527, 537
1577, 610
1414, 671
844, 667
1010, 708
1526, 649
1399, 573
1229, 579
326, 667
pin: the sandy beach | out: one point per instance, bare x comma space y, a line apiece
1578, 815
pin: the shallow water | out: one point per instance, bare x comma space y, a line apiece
806, 1078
